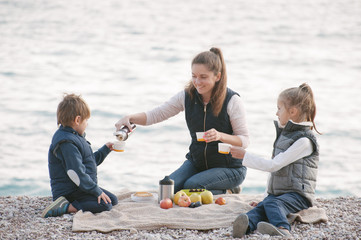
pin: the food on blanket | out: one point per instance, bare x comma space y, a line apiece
195, 204
143, 194
196, 190
178, 195
189, 192
220, 201
207, 197
166, 203
184, 201
195, 197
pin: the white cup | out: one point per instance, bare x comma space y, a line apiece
118, 146
200, 136
224, 148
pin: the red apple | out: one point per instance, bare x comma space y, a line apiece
184, 201
220, 201
166, 203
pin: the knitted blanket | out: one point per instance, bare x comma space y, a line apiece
128, 215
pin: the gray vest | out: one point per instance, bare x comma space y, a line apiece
299, 176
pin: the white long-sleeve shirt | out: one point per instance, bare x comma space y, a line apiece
299, 149
174, 105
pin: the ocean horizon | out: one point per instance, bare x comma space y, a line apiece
129, 56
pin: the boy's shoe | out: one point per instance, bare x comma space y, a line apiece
58, 208
235, 190
240, 225
267, 228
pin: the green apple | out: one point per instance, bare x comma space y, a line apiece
195, 197
207, 197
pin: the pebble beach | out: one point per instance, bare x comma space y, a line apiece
20, 218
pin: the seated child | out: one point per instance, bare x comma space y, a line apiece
293, 167
73, 165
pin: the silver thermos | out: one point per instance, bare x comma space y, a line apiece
124, 132
166, 189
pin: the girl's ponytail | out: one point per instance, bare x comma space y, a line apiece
308, 105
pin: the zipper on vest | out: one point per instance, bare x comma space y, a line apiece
204, 129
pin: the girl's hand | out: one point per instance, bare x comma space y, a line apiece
123, 122
238, 152
212, 135
110, 145
105, 198
253, 204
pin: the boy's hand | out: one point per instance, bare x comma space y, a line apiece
253, 204
110, 145
105, 198
238, 152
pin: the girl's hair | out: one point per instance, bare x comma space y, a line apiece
213, 60
302, 98
70, 107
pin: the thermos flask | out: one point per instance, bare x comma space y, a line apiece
124, 132
166, 188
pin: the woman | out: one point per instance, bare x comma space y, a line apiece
212, 108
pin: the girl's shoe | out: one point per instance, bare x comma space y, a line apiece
240, 226
267, 228
58, 208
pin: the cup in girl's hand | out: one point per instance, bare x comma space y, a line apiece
200, 136
224, 148
118, 146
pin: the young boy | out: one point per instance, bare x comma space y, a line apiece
73, 165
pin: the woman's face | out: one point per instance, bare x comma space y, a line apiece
204, 80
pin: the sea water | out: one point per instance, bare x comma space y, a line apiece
130, 56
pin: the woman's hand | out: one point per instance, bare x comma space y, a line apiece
238, 152
125, 121
212, 135
105, 198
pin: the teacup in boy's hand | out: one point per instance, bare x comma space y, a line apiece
118, 146
238, 152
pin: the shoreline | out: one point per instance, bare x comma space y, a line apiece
20, 218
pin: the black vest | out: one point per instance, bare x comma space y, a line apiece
200, 118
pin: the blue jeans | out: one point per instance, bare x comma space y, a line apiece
87, 202
216, 180
274, 209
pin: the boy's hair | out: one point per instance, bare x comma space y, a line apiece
302, 98
214, 61
71, 107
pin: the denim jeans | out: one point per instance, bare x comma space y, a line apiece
87, 202
274, 209
216, 180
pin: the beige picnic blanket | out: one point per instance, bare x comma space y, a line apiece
128, 215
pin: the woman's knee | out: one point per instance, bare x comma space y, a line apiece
191, 183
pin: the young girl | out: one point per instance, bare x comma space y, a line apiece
212, 108
293, 167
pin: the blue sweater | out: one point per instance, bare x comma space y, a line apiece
72, 163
